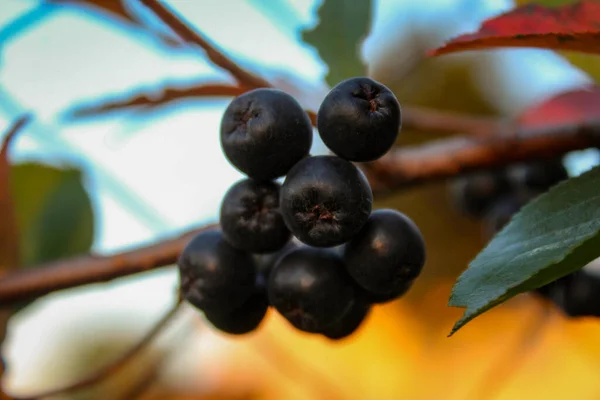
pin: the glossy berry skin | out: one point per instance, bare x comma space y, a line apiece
250, 217
264, 132
266, 262
244, 319
387, 253
325, 200
215, 276
374, 298
475, 193
310, 288
359, 119
349, 323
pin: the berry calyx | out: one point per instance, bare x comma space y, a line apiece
325, 200
250, 217
310, 288
264, 132
214, 275
359, 119
387, 253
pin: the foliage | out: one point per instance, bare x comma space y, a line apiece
342, 26
54, 212
554, 235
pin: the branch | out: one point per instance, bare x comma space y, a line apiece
507, 144
28, 284
413, 118
184, 29
153, 97
115, 366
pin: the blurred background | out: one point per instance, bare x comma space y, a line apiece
92, 178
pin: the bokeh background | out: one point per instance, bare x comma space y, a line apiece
108, 182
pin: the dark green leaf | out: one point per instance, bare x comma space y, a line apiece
342, 26
552, 236
54, 212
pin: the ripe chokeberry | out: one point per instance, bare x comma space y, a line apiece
349, 322
581, 296
538, 176
214, 275
244, 319
376, 298
264, 132
325, 200
475, 193
310, 288
502, 210
250, 217
359, 119
386, 254
266, 262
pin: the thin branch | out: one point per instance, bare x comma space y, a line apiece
27, 284
115, 366
413, 117
150, 97
447, 158
184, 29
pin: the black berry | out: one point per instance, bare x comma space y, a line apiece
215, 276
501, 211
243, 319
475, 193
377, 298
581, 295
264, 132
325, 200
250, 217
359, 119
538, 176
387, 253
349, 323
266, 262
310, 288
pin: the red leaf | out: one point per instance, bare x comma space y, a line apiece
577, 106
571, 27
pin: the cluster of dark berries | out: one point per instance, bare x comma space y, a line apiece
496, 195
311, 247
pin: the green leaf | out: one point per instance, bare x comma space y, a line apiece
342, 26
552, 236
54, 212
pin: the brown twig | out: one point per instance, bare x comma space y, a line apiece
151, 97
45, 278
455, 156
184, 29
116, 365
413, 117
